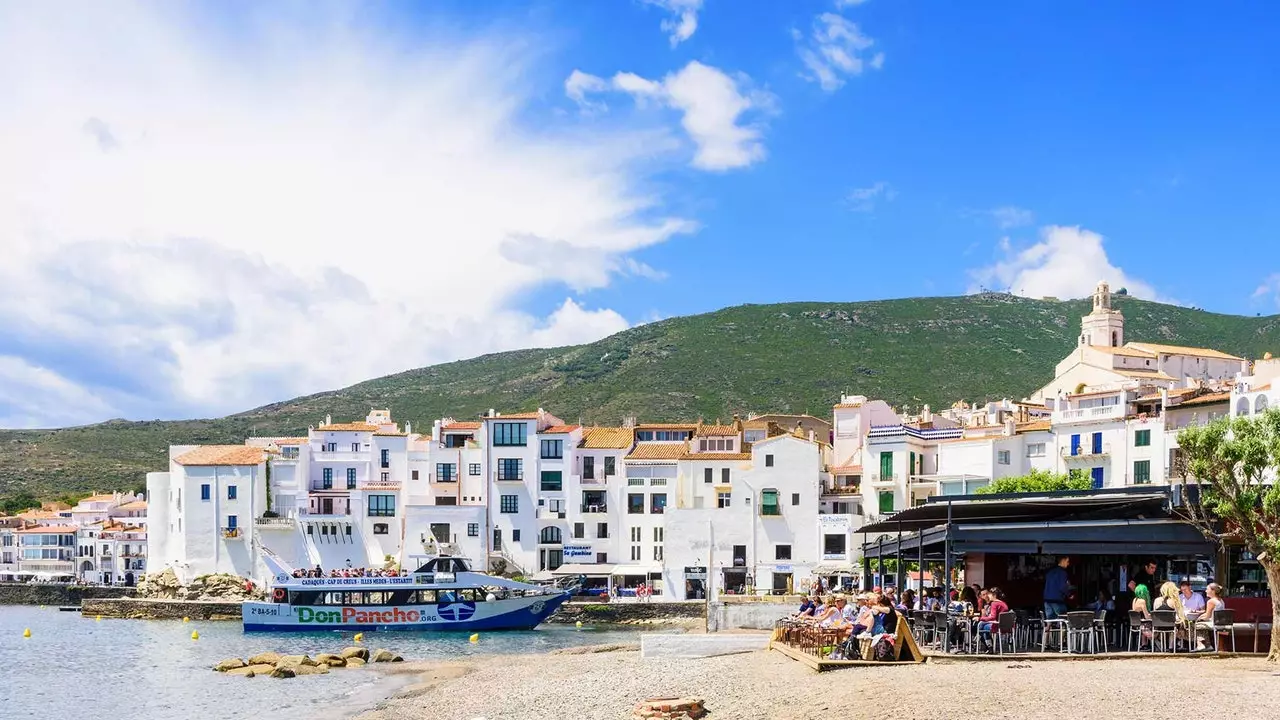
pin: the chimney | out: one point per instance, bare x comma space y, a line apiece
1010, 427
1164, 398
328, 419
408, 428
810, 436
629, 421
492, 413
926, 415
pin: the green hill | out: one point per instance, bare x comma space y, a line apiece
793, 357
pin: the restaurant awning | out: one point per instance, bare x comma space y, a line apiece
833, 568
636, 569
1163, 536
588, 569
974, 509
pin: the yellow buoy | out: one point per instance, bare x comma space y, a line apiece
195, 635
358, 637
98, 617
26, 633
186, 619
475, 637
578, 624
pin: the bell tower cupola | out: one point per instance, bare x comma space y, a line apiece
1105, 325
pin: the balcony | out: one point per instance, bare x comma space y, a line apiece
843, 490
230, 533
442, 478
282, 523
380, 485
884, 479
342, 455
593, 509
1083, 415
550, 514
593, 479
509, 476
1086, 451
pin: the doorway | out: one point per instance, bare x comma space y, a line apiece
326, 506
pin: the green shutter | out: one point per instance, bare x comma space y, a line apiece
1141, 472
886, 502
886, 466
1142, 438
769, 503
912, 467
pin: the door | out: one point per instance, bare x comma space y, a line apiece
1097, 478
1097, 443
1075, 444
326, 506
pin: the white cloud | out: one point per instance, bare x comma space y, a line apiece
865, 199
842, 4
683, 21
1269, 289
1067, 262
712, 106
1009, 216
579, 85
835, 50
193, 226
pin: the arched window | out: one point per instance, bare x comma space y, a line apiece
1242, 406
1260, 404
550, 536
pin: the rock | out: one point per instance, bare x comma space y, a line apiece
330, 659
295, 661
283, 672
397, 658
354, 662
262, 668
381, 655
266, 658
246, 671
229, 664
311, 670
355, 652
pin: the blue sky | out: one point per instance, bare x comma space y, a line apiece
211, 207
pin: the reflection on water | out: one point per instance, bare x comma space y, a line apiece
152, 670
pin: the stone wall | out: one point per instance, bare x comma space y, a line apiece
60, 595
133, 608
729, 615
655, 613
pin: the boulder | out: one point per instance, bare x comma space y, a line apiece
294, 661
310, 670
282, 672
261, 668
229, 664
266, 658
354, 662
246, 671
381, 655
160, 586
330, 659
397, 658
355, 652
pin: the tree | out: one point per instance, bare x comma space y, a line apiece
1227, 471
1036, 481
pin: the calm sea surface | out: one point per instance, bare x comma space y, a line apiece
73, 667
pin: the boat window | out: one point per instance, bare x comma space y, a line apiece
447, 596
304, 597
468, 594
426, 597
403, 597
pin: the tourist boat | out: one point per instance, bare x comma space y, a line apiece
443, 594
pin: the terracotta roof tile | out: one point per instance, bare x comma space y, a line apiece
1208, 399
841, 406
348, 427
1032, 426
716, 431
135, 505
221, 455
517, 416
458, 426
291, 441
716, 456
560, 429
99, 498
667, 426
66, 529
1125, 351
607, 438
390, 433
660, 451
1181, 350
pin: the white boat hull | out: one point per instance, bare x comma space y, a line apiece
519, 613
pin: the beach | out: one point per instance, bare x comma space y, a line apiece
583, 684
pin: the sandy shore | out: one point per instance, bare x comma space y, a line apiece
768, 685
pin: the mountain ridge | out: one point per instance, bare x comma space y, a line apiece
785, 357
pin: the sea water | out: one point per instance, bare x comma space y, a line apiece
75, 667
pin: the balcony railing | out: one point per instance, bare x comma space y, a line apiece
345, 455
442, 478
231, 532
843, 490
1086, 451
594, 509
591, 480
550, 514
875, 479
510, 476
283, 522
1093, 414
380, 485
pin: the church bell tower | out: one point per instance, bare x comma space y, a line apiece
1105, 325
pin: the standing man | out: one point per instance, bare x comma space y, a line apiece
1057, 587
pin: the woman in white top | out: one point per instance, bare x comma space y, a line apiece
1204, 628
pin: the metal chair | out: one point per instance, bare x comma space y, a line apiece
1006, 629
1081, 633
1164, 626
1055, 627
1223, 621
1028, 629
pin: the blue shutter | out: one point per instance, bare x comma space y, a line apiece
1075, 444
1097, 478
1097, 443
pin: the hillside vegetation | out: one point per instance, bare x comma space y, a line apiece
793, 357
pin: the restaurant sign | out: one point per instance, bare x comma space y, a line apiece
578, 551
695, 572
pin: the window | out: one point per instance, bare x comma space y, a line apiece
886, 466
1142, 438
386, 477
515, 536
386, 458
610, 466
1141, 472
551, 480
635, 504
795, 498
1035, 450
351, 478
205, 492
708, 475
232, 522
509, 504
769, 503
550, 536
380, 528
552, 449
443, 500
382, 505
657, 552
231, 492
509, 434
635, 552
473, 469
355, 447
657, 534
635, 534
333, 447
724, 476
413, 474
509, 469
833, 544
657, 503
326, 478
722, 500
1002, 457
579, 530
1075, 444
781, 552
886, 501
446, 472
497, 538
1097, 443
588, 468
473, 529
768, 461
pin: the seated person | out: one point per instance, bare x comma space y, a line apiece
1204, 627
1192, 601
990, 619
